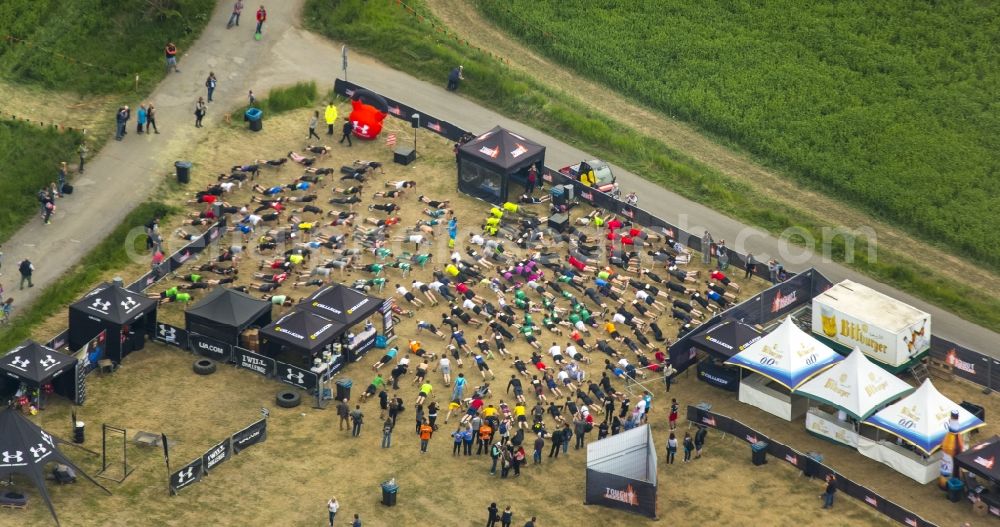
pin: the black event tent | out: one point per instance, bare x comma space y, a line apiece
341, 304
982, 459
727, 338
35, 365
223, 314
26, 449
301, 333
120, 312
488, 164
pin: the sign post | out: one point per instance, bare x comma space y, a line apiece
343, 56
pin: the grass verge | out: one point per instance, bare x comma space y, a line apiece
110, 254
281, 100
394, 36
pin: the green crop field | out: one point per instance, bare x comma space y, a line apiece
888, 105
94, 46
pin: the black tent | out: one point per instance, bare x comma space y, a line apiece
223, 314
26, 449
127, 317
35, 365
299, 333
727, 338
982, 459
342, 304
489, 164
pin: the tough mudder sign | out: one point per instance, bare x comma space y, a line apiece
254, 362
249, 436
296, 376
184, 477
210, 348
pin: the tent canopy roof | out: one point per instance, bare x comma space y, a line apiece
728, 338
303, 330
35, 363
503, 149
787, 355
923, 418
341, 304
855, 385
982, 459
114, 304
228, 307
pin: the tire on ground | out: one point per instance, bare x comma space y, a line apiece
288, 399
204, 367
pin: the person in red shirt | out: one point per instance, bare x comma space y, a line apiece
261, 17
719, 276
614, 224
580, 266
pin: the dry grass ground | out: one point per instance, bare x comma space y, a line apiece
306, 459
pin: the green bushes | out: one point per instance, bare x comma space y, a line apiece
94, 46
30, 160
889, 105
110, 254
280, 100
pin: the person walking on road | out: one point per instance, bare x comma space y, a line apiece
261, 18
61, 178
347, 129
234, 19
706, 248
81, 151
313, 122
357, 418
199, 112
210, 83
26, 268
120, 119
171, 53
151, 118
332, 506
330, 116
140, 119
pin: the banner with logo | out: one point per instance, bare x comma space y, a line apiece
254, 362
86, 362
190, 474
785, 297
619, 492
249, 436
172, 335
217, 455
388, 325
298, 377
964, 362
210, 348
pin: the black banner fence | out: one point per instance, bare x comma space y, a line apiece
221, 452
811, 467
208, 347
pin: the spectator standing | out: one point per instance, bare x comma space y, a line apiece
722, 255
506, 517
346, 131
7, 310
580, 431
332, 506
330, 116
357, 418
26, 268
556, 440
455, 77
671, 448
210, 83
772, 269
492, 515
261, 18
831, 489
539, 447
356, 522
61, 178
151, 118
706, 248
140, 120
688, 446
749, 266
674, 409
387, 427
199, 112
344, 412
120, 119
81, 152
171, 54
531, 522
532, 179
234, 19
313, 122
425, 436
699, 440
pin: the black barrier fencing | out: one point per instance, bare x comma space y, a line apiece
791, 296
809, 465
221, 452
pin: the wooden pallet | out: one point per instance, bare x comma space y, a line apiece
941, 368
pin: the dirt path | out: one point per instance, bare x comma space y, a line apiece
466, 21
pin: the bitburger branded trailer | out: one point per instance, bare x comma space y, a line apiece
885, 329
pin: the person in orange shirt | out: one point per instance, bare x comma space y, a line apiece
485, 433
425, 436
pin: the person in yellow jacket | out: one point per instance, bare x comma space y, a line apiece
331, 117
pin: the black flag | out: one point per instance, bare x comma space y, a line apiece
166, 450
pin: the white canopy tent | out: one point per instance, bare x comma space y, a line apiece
855, 385
788, 357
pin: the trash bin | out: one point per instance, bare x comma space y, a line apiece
758, 453
389, 490
344, 389
955, 487
183, 169
255, 117
78, 432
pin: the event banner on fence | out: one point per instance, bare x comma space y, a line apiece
786, 297
171, 335
191, 473
217, 455
249, 436
254, 362
618, 492
296, 376
211, 348
964, 362
86, 362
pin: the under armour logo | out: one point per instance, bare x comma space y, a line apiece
18, 362
297, 377
101, 304
48, 439
47, 361
169, 333
16, 457
38, 451
128, 303
185, 474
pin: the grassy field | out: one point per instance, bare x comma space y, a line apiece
888, 106
94, 46
398, 38
307, 459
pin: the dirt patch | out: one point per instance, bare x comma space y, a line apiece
463, 18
